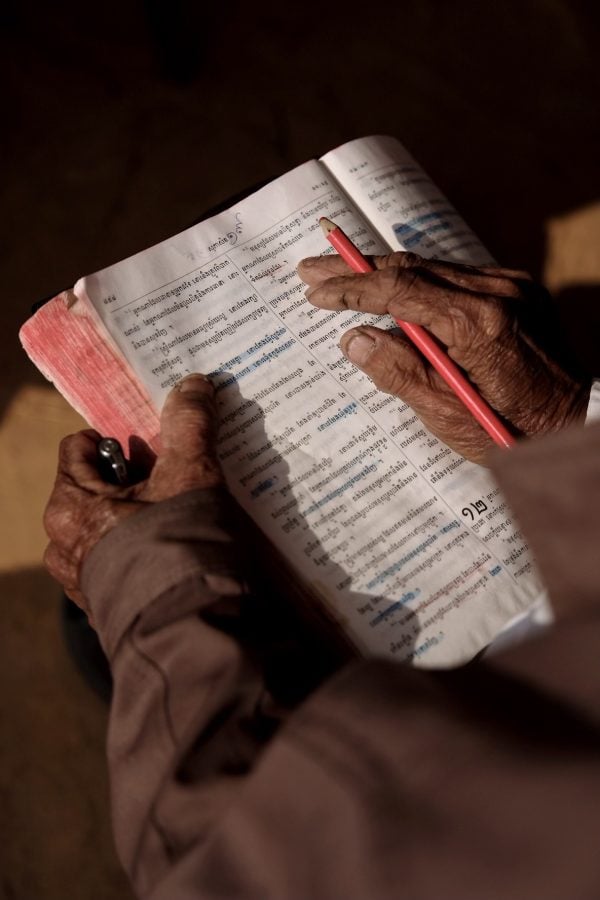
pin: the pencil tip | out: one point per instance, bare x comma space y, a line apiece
327, 225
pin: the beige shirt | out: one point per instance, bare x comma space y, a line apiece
250, 760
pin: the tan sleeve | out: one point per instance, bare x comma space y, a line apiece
553, 487
385, 782
194, 656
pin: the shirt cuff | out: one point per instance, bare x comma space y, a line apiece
593, 410
186, 538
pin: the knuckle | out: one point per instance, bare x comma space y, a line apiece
198, 408
405, 259
392, 280
53, 519
395, 259
464, 327
478, 325
493, 320
48, 519
68, 439
73, 440
353, 298
194, 420
70, 446
400, 282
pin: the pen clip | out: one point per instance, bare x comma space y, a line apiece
112, 461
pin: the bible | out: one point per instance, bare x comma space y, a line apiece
410, 548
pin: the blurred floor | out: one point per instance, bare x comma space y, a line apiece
122, 125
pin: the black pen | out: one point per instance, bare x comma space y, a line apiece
113, 465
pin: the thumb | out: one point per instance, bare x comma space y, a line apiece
396, 367
390, 361
188, 458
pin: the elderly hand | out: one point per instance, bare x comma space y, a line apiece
83, 507
497, 324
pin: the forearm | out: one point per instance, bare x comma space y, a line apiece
174, 615
353, 789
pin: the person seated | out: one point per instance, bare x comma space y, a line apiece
240, 772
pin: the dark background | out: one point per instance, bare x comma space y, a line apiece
122, 122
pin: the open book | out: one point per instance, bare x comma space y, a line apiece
410, 547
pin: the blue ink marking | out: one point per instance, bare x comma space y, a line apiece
420, 220
395, 567
450, 526
495, 570
267, 339
417, 238
348, 410
405, 598
429, 642
266, 358
263, 486
415, 230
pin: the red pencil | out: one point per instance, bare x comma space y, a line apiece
440, 361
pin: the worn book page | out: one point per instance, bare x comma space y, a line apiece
410, 547
401, 202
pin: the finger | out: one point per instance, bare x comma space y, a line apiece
517, 274
78, 459
480, 280
390, 361
484, 280
63, 572
315, 269
188, 433
395, 367
466, 323
392, 289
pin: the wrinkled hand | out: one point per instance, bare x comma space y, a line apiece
83, 507
497, 324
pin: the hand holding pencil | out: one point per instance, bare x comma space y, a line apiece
496, 324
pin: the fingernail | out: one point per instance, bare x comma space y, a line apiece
194, 384
358, 349
309, 261
309, 292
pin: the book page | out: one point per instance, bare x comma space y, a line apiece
408, 545
402, 202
